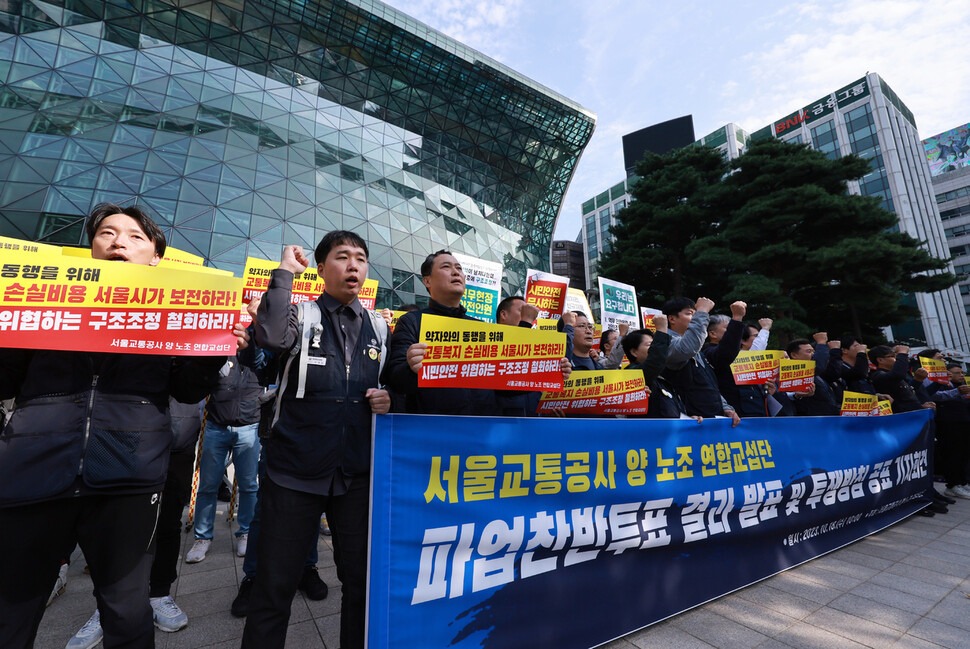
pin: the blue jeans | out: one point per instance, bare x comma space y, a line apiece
216, 444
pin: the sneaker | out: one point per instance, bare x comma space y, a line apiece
242, 541
240, 605
962, 490
88, 635
61, 584
198, 551
952, 492
942, 497
167, 614
312, 586
324, 526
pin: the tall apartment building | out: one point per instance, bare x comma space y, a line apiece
867, 118
244, 125
948, 155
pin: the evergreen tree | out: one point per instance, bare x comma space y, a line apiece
672, 207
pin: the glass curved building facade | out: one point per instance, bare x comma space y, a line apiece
243, 126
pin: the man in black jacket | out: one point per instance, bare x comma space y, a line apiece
84, 457
318, 453
819, 401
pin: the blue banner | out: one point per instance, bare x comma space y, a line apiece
505, 532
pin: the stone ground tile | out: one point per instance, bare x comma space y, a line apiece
877, 612
953, 610
780, 601
203, 631
664, 636
944, 554
936, 565
923, 575
790, 582
206, 602
717, 630
891, 552
941, 634
757, 617
860, 557
912, 642
774, 643
328, 627
854, 628
956, 546
834, 563
619, 644
326, 606
304, 635
895, 598
912, 586
805, 636
204, 581
829, 578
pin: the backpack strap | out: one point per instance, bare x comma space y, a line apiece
381, 329
310, 328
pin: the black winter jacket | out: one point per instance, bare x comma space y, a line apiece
89, 422
235, 400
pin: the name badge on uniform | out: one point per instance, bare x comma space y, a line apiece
316, 360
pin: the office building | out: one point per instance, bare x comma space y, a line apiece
246, 125
567, 261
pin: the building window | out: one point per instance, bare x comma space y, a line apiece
825, 140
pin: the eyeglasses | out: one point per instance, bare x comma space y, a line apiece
585, 326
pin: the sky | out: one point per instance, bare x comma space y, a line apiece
640, 62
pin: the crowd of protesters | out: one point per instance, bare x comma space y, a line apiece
294, 410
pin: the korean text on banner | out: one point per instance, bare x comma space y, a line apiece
468, 354
497, 529
576, 301
57, 302
306, 287
546, 324
647, 315
547, 292
604, 392
795, 376
618, 304
174, 258
756, 367
8, 245
483, 284
936, 370
859, 404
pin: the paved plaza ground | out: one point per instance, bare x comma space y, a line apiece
905, 587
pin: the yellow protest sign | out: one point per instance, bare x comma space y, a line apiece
8, 244
936, 370
306, 287
604, 392
546, 324
110, 306
795, 376
756, 367
174, 258
471, 354
885, 407
859, 404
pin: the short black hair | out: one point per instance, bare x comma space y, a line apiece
929, 353
951, 365
335, 238
632, 340
849, 340
506, 304
428, 263
795, 344
560, 324
879, 351
102, 211
408, 308
746, 333
676, 305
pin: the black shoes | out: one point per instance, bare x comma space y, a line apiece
240, 605
312, 586
940, 498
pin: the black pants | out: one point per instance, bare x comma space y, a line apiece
289, 519
116, 534
176, 495
953, 451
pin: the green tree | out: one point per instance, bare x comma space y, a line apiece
798, 247
672, 207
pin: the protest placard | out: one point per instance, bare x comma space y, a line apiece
7, 244
618, 303
936, 370
576, 301
647, 315
547, 292
547, 324
483, 286
756, 367
468, 354
859, 404
307, 286
174, 258
605, 392
58, 302
885, 407
795, 376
